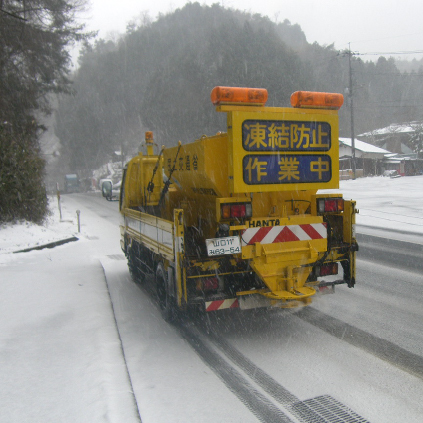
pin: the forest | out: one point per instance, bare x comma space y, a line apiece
159, 74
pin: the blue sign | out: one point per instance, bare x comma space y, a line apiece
282, 135
286, 168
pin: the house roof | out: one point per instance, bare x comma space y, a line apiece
363, 146
394, 128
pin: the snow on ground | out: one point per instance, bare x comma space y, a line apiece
388, 207
25, 234
60, 351
391, 203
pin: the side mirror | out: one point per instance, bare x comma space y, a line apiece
106, 189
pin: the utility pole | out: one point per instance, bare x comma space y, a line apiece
350, 94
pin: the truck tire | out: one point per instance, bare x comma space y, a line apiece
136, 274
167, 301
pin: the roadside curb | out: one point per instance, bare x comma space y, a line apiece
49, 245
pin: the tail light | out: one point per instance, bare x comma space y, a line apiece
330, 205
326, 269
236, 211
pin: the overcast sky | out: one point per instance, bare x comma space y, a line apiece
381, 26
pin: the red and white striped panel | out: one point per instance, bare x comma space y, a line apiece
222, 304
271, 234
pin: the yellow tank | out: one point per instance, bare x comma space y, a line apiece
201, 167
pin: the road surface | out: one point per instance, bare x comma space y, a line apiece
354, 356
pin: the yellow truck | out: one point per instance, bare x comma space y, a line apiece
235, 220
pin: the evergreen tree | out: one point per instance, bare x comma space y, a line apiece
34, 61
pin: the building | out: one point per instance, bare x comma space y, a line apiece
373, 160
403, 140
395, 137
368, 158
405, 165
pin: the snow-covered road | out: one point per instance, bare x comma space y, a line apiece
67, 313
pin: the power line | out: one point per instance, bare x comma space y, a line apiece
390, 107
393, 106
389, 52
399, 73
383, 38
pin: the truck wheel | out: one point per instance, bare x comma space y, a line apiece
167, 302
134, 271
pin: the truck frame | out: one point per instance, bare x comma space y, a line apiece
235, 220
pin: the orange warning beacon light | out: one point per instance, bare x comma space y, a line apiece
316, 100
239, 95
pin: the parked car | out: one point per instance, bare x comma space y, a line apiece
110, 191
392, 173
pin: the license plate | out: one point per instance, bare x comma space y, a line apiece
220, 246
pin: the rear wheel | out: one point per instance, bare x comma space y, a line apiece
135, 272
165, 294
